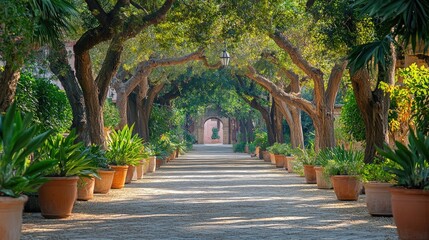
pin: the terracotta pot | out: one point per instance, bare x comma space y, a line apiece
347, 188
159, 162
410, 209
280, 160
177, 153
322, 181
145, 166
257, 150
310, 174
290, 162
11, 217
266, 156
85, 189
152, 164
57, 197
140, 170
172, 155
119, 176
273, 158
104, 183
378, 200
130, 173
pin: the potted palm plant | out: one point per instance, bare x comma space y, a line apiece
322, 180
19, 137
105, 173
151, 158
123, 150
140, 168
57, 196
277, 154
344, 170
261, 143
410, 197
377, 183
307, 158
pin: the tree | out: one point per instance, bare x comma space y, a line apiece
59, 65
25, 25
140, 78
122, 22
409, 23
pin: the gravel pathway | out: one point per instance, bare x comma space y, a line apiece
212, 193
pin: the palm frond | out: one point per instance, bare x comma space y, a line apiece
371, 54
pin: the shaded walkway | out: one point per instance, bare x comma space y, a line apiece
212, 193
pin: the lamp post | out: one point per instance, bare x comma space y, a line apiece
224, 57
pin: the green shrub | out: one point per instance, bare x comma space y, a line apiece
252, 147
239, 147
351, 118
261, 140
110, 114
376, 171
48, 104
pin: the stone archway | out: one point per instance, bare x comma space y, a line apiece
209, 126
229, 129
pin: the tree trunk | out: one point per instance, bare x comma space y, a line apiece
243, 133
133, 114
250, 131
90, 92
122, 105
146, 109
278, 123
374, 105
59, 65
8, 80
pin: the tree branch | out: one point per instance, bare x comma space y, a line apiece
334, 83
277, 92
314, 73
97, 11
136, 24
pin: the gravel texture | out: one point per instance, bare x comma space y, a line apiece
212, 193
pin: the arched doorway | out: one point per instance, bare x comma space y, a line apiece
213, 131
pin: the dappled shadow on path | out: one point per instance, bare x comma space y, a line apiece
212, 193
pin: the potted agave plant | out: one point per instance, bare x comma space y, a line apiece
377, 183
344, 170
410, 197
124, 150
19, 137
57, 196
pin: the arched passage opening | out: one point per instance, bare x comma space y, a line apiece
213, 131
